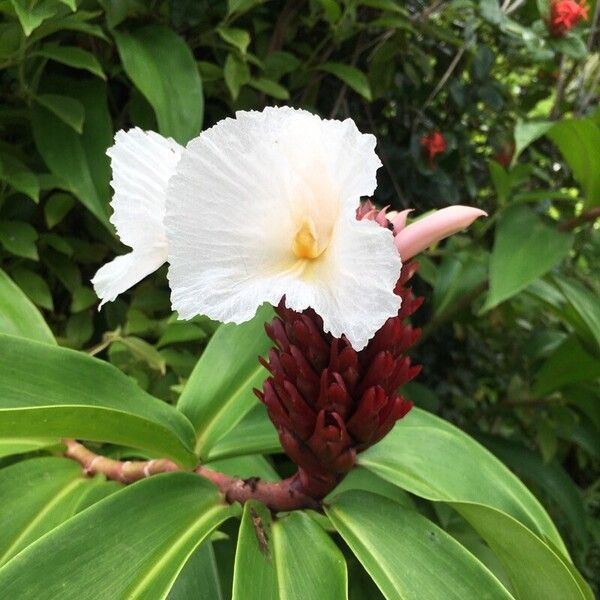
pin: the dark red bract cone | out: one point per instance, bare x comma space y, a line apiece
329, 402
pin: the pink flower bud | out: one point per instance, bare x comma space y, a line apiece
435, 227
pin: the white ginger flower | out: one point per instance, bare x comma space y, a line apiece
263, 207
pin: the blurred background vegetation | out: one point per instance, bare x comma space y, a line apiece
511, 343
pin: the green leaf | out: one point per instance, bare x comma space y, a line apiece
72, 56
83, 297
199, 578
67, 109
19, 176
79, 160
458, 274
18, 316
584, 302
75, 395
408, 556
270, 87
351, 76
158, 521
523, 553
360, 478
12, 446
527, 133
250, 465
19, 238
270, 563
572, 45
181, 331
568, 364
34, 286
578, 141
432, 459
36, 496
550, 478
238, 38
145, 352
219, 391
162, 67
32, 14
253, 434
236, 74
525, 248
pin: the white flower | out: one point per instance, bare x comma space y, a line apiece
263, 206
142, 164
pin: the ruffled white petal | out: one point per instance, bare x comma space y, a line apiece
142, 164
353, 285
125, 271
242, 190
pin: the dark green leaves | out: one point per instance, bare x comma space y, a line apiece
525, 248
79, 160
162, 67
74, 395
406, 554
291, 558
131, 545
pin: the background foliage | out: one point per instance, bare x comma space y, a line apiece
511, 344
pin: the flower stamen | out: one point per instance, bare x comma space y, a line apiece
306, 241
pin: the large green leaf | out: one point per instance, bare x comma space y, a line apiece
219, 391
78, 160
132, 544
579, 141
291, 558
433, 459
162, 67
46, 391
253, 434
523, 553
525, 248
37, 495
18, 316
406, 554
550, 478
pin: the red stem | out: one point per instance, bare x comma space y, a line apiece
279, 496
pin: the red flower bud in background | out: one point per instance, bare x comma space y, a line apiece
566, 14
505, 155
328, 401
433, 144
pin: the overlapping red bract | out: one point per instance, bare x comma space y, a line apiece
329, 402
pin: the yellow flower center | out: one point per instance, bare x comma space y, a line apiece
306, 241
